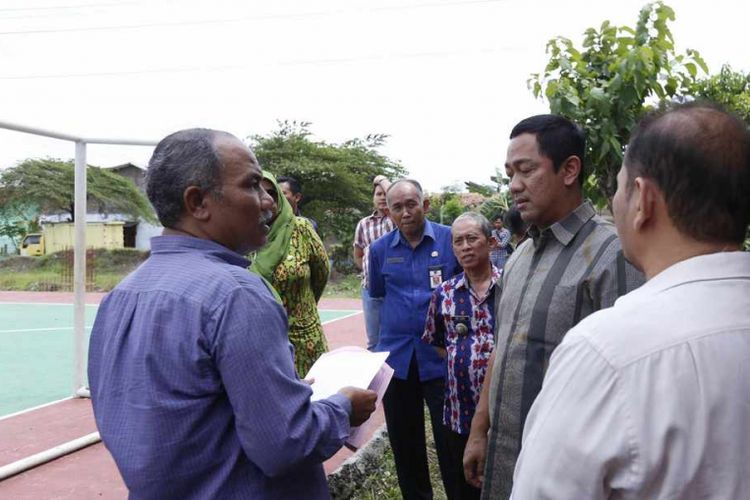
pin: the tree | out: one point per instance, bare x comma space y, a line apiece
498, 203
444, 207
494, 207
450, 210
49, 184
606, 86
730, 89
483, 189
336, 178
17, 220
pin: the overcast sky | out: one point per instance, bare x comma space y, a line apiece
445, 79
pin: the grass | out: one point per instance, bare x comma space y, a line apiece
26, 280
382, 482
343, 286
45, 273
54, 272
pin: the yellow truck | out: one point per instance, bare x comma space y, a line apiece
58, 236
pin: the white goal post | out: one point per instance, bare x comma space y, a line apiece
79, 246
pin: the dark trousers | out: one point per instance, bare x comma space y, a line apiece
403, 403
461, 489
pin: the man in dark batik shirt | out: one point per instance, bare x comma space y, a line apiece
460, 323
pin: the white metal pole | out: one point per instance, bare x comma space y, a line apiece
45, 456
79, 267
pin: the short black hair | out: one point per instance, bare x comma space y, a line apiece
294, 186
513, 221
180, 160
557, 138
699, 156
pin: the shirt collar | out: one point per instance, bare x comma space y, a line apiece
375, 215
709, 267
185, 244
427, 232
565, 229
461, 282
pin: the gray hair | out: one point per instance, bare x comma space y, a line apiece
180, 160
414, 183
479, 219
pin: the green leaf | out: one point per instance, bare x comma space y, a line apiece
698, 59
606, 89
626, 41
537, 90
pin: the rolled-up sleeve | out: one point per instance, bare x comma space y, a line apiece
278, 426
359, 235
578, 439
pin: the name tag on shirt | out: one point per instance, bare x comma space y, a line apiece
436, 276
394, 260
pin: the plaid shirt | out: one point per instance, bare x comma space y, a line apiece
369, 229
468, 353
503, 239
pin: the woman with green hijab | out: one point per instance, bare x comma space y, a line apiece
295, 262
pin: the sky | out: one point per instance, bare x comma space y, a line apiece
446, 80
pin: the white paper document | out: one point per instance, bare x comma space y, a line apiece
350, 366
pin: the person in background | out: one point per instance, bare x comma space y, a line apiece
405, 266
292, 190
518, 229
369, 229
295, 262
500, 243
460, 324
190, 368
651, 398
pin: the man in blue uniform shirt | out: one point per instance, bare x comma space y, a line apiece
405, 266
191, 372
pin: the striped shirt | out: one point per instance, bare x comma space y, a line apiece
369, 229
557, 277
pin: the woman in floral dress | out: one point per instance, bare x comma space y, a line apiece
295, 262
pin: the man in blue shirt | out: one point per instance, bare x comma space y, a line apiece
191, 372
405, 265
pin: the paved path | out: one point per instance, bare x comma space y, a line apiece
91, 472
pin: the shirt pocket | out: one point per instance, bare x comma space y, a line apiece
394, 268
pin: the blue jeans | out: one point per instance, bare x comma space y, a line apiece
371, 308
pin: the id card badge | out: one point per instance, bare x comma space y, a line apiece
436, 276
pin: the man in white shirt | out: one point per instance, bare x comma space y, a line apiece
651, 398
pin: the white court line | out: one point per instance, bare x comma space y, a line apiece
354, 313
35, 408
56, 328
351, 313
